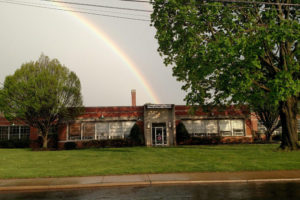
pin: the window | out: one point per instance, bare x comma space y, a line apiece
199, 128
212, 127
88, 131
24, 132
237, 127
102, 131
3, 132
188, 126
14, 133
115, 130
127, 126
75, 132
225, 127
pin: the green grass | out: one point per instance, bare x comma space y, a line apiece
24, 163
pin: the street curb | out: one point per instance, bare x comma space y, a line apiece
145, 183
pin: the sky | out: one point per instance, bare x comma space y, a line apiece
111, 56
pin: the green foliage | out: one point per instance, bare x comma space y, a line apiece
108, 143
204, 140
41, 94
181, 133
229, 53
136, 135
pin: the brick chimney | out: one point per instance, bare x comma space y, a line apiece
133, 98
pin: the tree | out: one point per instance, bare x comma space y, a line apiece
136, 135
269, 116
230, 52
181, 133
41, 94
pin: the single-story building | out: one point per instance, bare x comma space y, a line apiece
157, 121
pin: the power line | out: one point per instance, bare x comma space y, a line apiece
255, 2
75, 11
97, 5
81, 8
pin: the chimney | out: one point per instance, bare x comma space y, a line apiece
133, 98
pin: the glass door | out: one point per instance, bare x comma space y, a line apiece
159, 135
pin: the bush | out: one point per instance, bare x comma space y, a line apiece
70, 145
203, 140
136, 136
14, 143
182, 134
108, 143
277, 137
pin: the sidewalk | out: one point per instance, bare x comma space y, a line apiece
146, 179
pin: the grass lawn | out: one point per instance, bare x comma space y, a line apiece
24, 163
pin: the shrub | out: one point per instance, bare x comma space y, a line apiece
181, 133
136, 136
70, 145
203, 140
277, 137
108, 143
14, 143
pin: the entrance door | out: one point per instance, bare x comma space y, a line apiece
159, 135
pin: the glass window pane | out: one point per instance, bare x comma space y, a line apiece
3, 132
238, 127
25, 132
212, 127
14, 133
127, 126
75, 131
199, 127
115, 130
88, 131
188, 125
225, 127
102, 130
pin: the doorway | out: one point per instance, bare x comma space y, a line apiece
159, 134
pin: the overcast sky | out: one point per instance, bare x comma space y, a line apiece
106, 79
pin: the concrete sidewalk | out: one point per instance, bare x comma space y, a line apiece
146, 179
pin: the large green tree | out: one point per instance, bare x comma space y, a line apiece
234, 52
41, 94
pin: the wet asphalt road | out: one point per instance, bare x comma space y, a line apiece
230, 191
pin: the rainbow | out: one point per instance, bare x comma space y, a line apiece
116, 49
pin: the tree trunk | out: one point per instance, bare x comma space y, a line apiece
45, 140
288, 116
268, 136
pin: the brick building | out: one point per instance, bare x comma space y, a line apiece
157, 121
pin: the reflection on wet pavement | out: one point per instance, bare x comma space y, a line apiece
230, 191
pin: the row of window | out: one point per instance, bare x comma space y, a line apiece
99, 130
14, 132
226, 127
